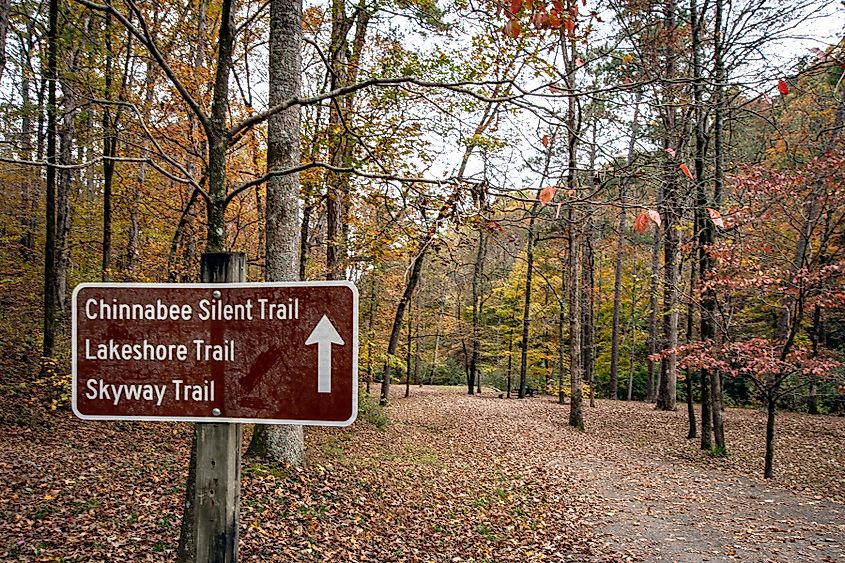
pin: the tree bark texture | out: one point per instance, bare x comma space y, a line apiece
282, 443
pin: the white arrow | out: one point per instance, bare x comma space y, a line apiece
324, 335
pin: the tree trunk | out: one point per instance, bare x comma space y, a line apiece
50, 305
510, 363
64, 180
393, 343
526, 309
654, 285
371, 313
709, 236
667, 390
282, 443
435, 358
561, 343
417, 356
477, 273
816, 337
587, 295
30, 192
109, 152
633, 334
408, 352
344, 68
573, 118
576, 417
771, 411
617, 302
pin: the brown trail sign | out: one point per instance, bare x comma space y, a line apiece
243, 352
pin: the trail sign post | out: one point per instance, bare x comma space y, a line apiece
220, 354
283, 353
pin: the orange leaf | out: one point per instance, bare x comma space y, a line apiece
685, 169
641, 223
554, 20
643, 219
545, 141
716, 217
546, 194
570, 26
783, 87
516, 5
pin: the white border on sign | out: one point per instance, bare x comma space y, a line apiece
219, 419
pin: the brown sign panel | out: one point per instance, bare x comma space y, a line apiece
284, 353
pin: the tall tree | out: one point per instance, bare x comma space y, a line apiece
667, 391
282, 443
51, 77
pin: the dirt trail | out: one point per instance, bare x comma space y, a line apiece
650, 507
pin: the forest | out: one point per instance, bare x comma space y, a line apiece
588, 200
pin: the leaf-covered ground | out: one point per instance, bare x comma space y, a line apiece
452, 478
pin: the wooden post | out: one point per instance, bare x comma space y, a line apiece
212, 498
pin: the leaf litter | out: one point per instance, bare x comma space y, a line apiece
452, 478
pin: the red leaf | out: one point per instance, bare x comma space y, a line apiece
685, 169
558, 5
546, 194
512, 29
579, 62
570, 26
643, 219
783, 88
671, 151
641, 223
516, 5
545, 141
716, 217
554, 20
574, 11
